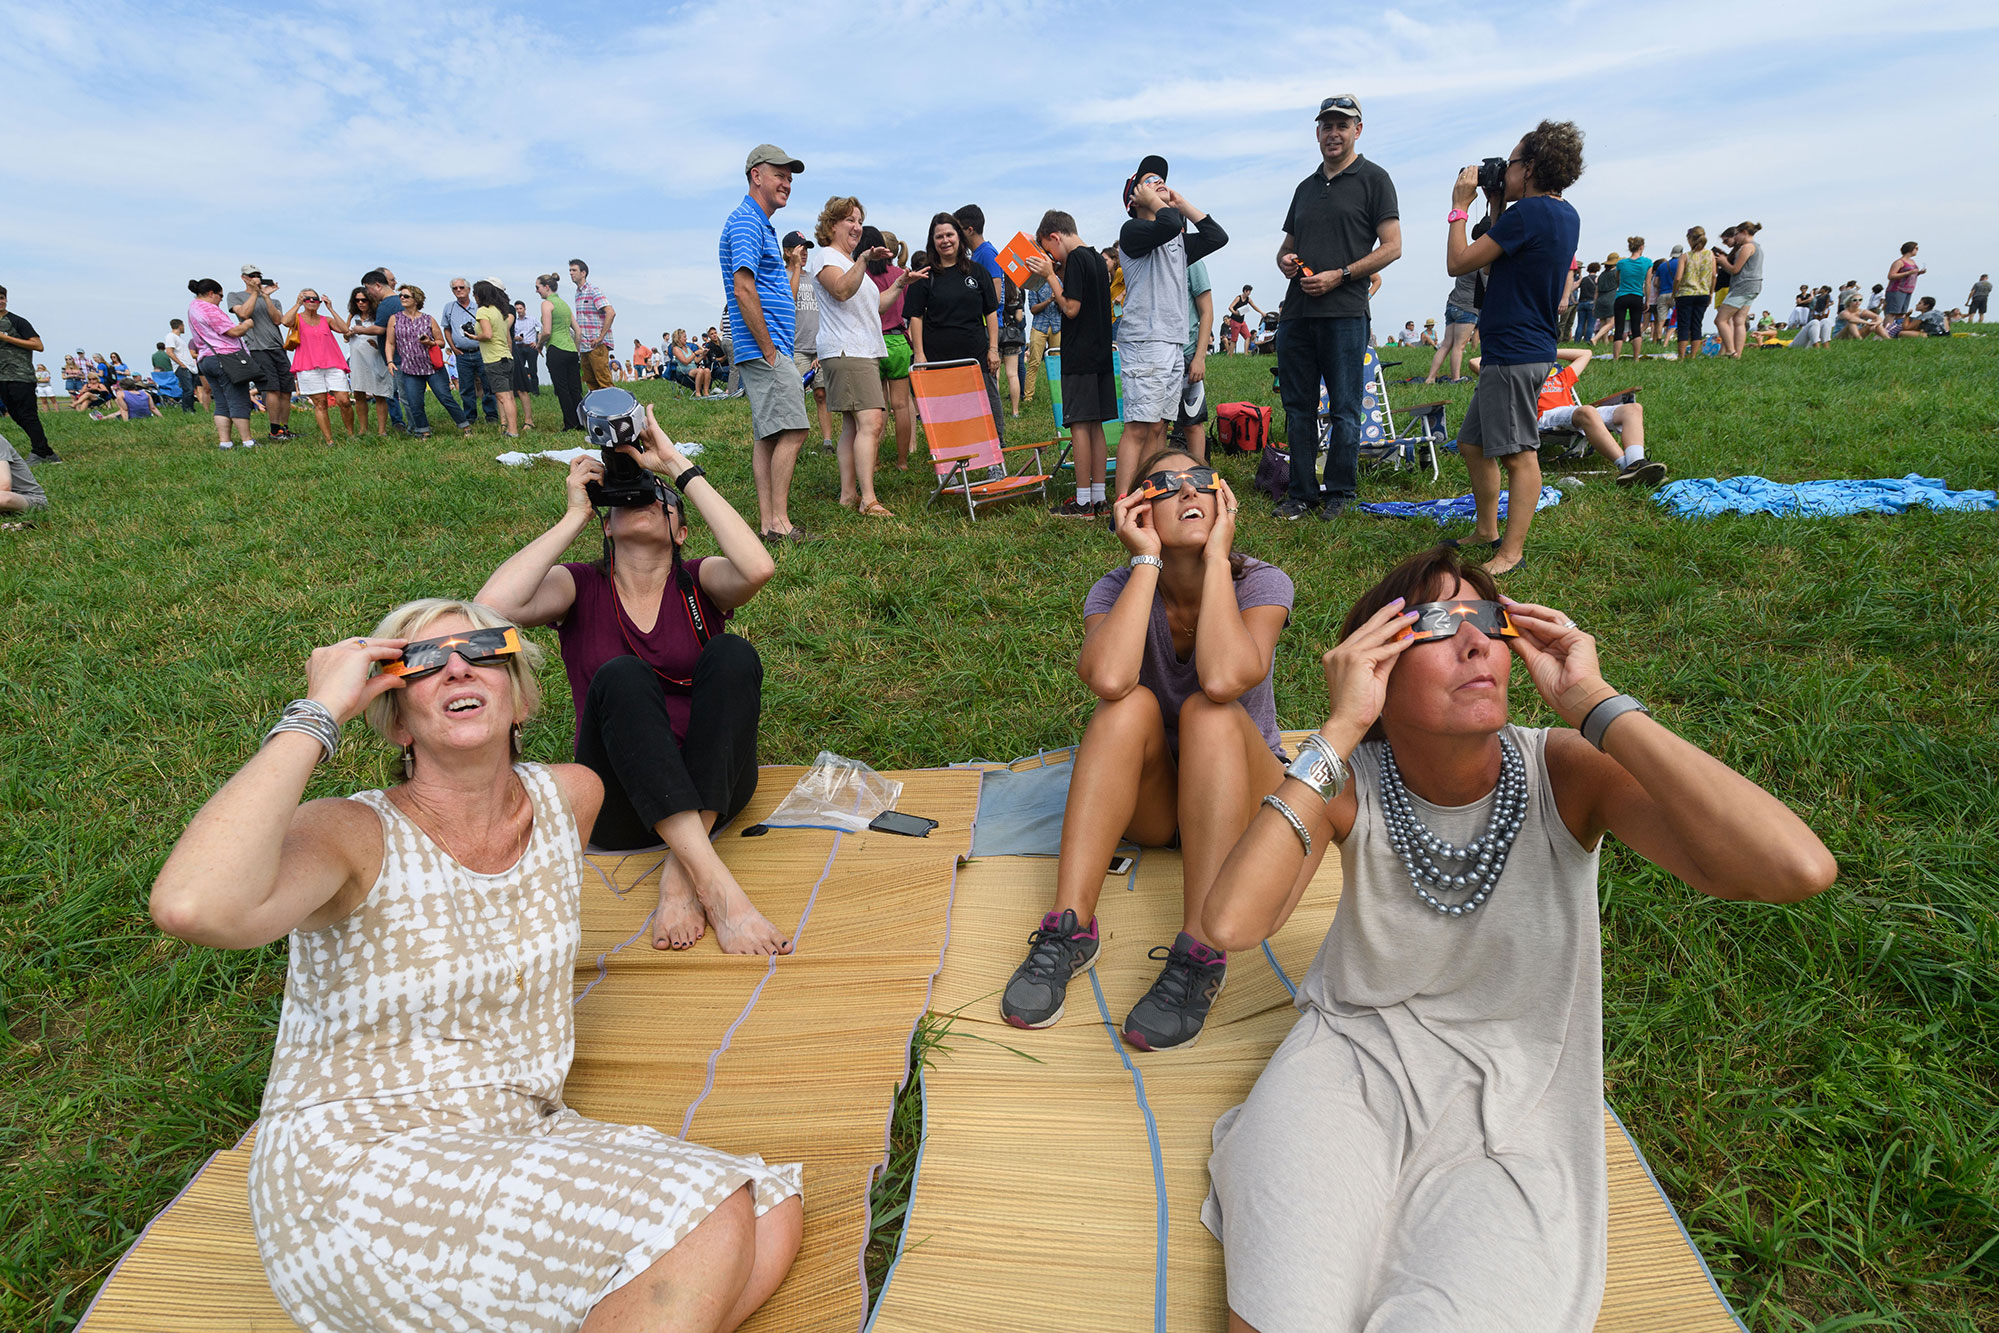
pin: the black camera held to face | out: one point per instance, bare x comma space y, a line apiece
1492, 175
611, 418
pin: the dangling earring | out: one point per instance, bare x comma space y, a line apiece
409, 762
514, 740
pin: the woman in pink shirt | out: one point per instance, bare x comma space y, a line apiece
216, 335
1902, 275
319, 364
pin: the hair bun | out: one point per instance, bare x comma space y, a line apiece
194, 285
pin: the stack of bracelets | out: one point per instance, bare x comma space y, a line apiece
312, 718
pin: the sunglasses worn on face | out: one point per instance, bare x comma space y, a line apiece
479, 647
1169, 483
1440, 620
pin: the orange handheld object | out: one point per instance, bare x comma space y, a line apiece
1013, 260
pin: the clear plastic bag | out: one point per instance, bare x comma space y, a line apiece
835, 793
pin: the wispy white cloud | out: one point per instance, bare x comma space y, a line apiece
158, 143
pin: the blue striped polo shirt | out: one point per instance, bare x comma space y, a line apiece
748, 241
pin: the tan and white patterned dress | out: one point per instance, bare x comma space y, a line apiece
415, 1167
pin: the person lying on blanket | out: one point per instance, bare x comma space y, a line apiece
1562, 409
1425, 1149
415, 1167
1178, 647
667, 700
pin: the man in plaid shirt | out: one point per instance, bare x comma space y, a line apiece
592, 316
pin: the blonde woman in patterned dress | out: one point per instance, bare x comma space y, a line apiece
415, 1167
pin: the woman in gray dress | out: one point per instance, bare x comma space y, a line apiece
1425, 1149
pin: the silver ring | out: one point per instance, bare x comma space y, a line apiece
1568, 624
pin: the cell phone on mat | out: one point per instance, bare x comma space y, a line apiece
1120, 865
909, 826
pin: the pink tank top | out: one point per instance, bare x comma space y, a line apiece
318, 349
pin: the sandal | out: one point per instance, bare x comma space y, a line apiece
876, 509
1470, 543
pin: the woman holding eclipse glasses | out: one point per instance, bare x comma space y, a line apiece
1177, 647
667, 701
1425, 1149
414, 1105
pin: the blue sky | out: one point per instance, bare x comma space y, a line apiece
154, 143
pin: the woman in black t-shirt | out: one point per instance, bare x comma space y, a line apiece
951, 313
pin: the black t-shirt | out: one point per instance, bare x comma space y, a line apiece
1235, 306
1333, 223
953, 304
1086, 335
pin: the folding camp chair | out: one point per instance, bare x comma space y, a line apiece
1113, 430
165, 387
964, 440
1568, 442
1415, 446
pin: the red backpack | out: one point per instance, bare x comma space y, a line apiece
1242, 428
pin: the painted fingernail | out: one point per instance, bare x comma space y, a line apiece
1398, 601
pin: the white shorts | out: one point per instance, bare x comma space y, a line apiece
1558, 418
1155, 375
323, 381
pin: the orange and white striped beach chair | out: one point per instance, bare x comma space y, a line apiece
964, 440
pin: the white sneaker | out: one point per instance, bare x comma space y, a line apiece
249, 444
226, 444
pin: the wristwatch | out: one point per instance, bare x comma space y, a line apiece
1456, 215
1152, 560
1319, 768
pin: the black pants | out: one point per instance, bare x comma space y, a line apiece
565, 374
1630, 309
17, 400
627, 740
1689, 313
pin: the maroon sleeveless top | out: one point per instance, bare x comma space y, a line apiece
597, 630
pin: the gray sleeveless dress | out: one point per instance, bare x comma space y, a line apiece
1425, 1149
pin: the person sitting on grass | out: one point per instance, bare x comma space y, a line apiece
19, 490
129, 402
1178, 647
666, 700
1426, 1150
1926, 322
1562, 409
415, 1100
1858, 322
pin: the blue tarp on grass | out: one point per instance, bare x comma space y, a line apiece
1702, 497
1457, 509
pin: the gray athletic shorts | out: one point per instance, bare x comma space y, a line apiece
776, 394
1154, 376
1741, 294
1502, 418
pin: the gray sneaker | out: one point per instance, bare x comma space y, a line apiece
1173, 1011
1291, 510
1036, 992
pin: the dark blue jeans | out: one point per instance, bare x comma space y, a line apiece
471, 372
412, 396
1310, 351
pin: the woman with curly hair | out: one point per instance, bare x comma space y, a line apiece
1526, 255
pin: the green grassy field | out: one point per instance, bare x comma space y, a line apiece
1816, 1085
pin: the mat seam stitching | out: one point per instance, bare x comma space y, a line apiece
715, 1056
1158, 1161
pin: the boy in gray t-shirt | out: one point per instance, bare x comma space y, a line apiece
18, 488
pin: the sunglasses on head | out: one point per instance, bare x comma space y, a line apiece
1169, 483
1440, 620
479, 647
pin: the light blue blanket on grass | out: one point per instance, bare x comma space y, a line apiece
1457, 509
1702, 497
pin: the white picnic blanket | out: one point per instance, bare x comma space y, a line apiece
565, 457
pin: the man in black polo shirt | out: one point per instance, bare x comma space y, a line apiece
1342, 227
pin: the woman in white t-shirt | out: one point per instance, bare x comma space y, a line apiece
851, 345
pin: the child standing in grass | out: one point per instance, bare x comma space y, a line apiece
1081, 282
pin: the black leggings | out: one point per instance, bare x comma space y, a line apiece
626, 738
1689, 313
17, 400
1634, 306
565, 375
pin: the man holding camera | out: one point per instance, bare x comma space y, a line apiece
763, 322
1526, 255
1342, 227
265, 342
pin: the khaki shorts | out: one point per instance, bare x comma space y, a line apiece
776, 394
596, 367
852, 384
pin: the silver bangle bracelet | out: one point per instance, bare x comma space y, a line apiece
1291, 818
311, 718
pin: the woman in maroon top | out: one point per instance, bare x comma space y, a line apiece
666, 699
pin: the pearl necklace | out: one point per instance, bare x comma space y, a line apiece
1480, 862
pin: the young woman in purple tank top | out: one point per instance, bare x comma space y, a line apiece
666, 700
1178, 646
1447, 1062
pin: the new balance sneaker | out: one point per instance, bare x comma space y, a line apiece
1173, 1011
1036, 992
1644, 472
1291, 509
1073, 508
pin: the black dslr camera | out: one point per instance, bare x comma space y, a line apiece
1492, 174
612, 417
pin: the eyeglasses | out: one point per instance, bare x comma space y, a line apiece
1440, 620
480, 648
1168, 483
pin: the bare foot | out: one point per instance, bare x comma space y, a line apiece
679, 921
739, 926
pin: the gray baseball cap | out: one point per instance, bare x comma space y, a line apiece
769, 154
